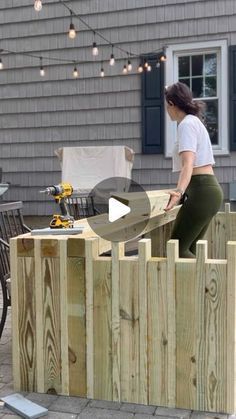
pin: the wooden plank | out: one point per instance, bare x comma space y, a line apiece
91, 252
185, 334
39, 315
27, 324
157, 332
77, 327
15, 315
144, 254
216, 337
172, 257
201, 258
129, 311
51, 319
143, 224
139, 202
117, 253
231, 328
102, 329
64, 318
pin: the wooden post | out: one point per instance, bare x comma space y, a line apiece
39, 315
14, 315
144, 252
91, 253
172, 256
64, 318
231, 327
201, 253
117, 253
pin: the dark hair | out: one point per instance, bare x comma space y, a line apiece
180, 95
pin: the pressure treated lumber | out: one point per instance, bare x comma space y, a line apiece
138, 329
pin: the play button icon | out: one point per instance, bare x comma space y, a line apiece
117, 210
122, 207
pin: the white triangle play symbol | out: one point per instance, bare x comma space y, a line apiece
117, 210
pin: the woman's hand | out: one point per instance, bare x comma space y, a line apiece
175, 197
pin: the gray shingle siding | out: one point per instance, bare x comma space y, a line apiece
39, 115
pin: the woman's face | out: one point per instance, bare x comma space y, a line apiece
171, 109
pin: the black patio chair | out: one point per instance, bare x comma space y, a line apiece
11, 225
12, 221
81, 206
5, 285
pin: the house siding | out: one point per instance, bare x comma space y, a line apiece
39, 115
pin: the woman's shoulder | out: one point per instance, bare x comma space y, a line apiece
190, 121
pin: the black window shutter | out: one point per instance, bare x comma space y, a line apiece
232, 96
153, 108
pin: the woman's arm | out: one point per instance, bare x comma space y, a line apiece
187, 160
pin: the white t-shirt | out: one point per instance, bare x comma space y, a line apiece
192, 136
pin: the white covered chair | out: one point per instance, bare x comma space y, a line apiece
85, 167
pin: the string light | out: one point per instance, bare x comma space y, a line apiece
102, 71
42, 71
38, 5
112, 57
125, 70
145, 64
72, 31
95, 51
149, 68
140, 68
75, 72
1, 64
129, 66
163, 58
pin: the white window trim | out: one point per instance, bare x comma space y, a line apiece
171, 76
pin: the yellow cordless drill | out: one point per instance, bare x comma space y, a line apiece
60, 193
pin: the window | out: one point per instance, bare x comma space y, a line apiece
203, 67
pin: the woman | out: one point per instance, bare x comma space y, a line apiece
193, 158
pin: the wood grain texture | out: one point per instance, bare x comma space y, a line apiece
51, 324
172, 256
117, 254
185, 334
231, 327
129, 312
15, 315
102, 329
91, 253
157, 332
144, 254
77, 327
200, 289
216, 337
64, 344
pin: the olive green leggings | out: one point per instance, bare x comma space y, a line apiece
204, 198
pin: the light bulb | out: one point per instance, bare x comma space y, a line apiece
140, 68
72, 32
149, 68
38, 5
102, 72
158, 64
125, 71
112, 59
42, 71
75, 72
163, 58
1, 64
129, 66
95, 49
